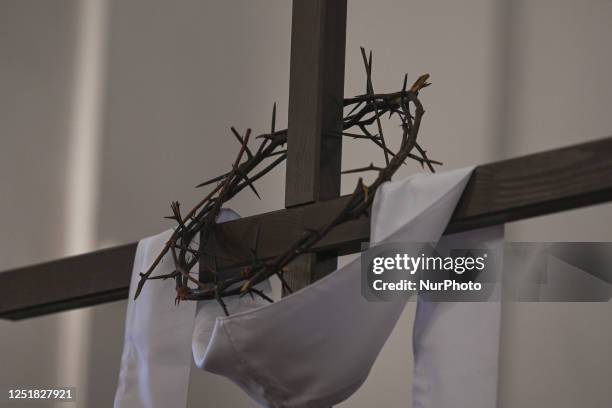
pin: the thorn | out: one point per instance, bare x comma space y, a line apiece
222, 303
273, 126
263, 295
242, 142
246, 286
420, 83
371, 167
249, 183
211, 180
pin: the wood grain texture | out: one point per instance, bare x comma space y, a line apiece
316, 93
536, 184
499, 192
68, 283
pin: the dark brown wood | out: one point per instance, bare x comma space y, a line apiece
537, 184
278, 228
500, 192
316, 92
68, 283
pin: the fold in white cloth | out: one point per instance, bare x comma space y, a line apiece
156, 359
316, 347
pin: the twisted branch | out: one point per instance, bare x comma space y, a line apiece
252, 164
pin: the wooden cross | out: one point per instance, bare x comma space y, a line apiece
497, 193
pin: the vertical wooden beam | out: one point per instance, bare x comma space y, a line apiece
316, 92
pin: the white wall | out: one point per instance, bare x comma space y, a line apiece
178, 74
37, 42
561, 93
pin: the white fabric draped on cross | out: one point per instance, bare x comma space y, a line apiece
326, 336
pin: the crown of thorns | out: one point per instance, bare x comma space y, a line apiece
364, 114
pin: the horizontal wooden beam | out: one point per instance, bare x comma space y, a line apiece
67, 283
498, 192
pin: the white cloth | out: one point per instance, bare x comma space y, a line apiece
316, 347
156, 358
456, 344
